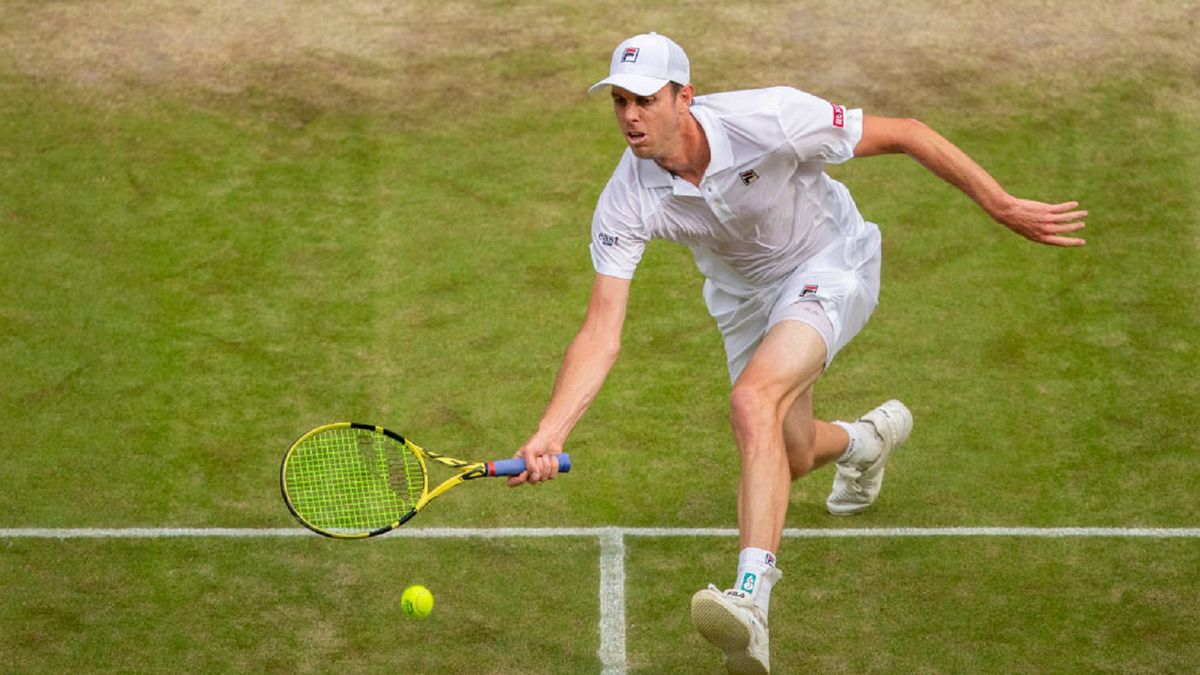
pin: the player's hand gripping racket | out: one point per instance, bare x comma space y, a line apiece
350, 480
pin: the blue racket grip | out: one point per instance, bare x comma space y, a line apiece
516, 466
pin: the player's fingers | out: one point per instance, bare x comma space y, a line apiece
1066, 242
1070, 215
1065, 206
518, 480
537, 468
1064, 228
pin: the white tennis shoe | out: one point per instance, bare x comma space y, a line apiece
732, 623
858, 480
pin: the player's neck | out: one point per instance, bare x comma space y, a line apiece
691, 160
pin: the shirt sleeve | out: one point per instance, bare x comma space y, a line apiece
618, 233
819, 130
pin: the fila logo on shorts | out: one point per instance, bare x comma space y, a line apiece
839, 115
630, 55
809, 289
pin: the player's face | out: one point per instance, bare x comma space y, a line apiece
651, 124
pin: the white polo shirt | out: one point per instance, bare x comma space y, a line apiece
764, 205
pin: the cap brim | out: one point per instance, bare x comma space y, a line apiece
642, 85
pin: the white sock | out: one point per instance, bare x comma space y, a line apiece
852, 431
753, 563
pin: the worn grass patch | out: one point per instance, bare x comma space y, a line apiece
428, 62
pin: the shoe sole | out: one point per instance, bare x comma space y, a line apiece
898, 437
721, 628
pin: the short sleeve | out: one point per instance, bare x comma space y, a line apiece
618, 233
819, 130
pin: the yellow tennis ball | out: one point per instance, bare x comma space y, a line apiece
417, 601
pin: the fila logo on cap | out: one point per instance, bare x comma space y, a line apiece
630, 55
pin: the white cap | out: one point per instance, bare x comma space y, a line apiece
643, 64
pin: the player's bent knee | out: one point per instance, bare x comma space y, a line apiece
750, 409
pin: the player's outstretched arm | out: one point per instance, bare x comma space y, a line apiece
1041, 222
586, 365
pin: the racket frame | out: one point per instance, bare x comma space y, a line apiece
465, 471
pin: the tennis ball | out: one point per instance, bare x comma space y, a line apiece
417, 601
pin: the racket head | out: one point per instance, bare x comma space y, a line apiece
350, 481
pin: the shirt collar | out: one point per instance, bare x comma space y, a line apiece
720, 153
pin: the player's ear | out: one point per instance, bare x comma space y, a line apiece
683, 93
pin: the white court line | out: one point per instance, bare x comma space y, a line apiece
612, 550
612, 602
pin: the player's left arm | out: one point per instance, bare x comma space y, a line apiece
1037, 221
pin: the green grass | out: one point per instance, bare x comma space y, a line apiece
998, 605
191, 280
294, 606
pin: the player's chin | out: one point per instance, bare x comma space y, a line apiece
641, 151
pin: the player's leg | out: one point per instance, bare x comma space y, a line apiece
783, 368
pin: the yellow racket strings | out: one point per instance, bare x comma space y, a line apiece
348, 480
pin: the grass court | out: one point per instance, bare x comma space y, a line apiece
224, 223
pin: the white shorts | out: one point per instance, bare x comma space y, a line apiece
843, 293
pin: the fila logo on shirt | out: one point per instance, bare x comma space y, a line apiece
809, 289
748, 177
630, 55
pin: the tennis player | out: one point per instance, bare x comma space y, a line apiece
792, 275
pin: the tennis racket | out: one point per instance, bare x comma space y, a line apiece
350, 481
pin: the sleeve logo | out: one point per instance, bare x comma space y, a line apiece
839, 115
607, 239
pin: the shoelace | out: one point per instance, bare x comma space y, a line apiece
851, 488
847, 494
